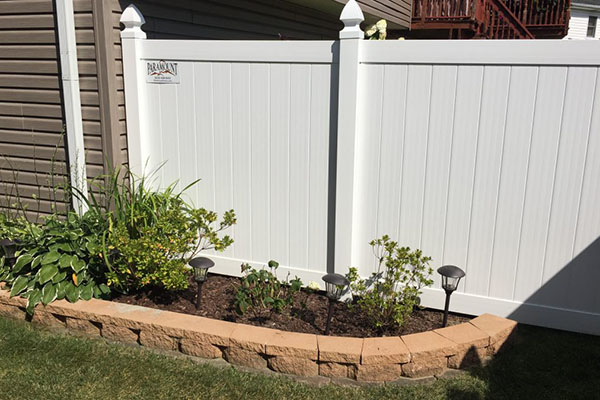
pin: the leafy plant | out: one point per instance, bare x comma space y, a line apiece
377, 31
59, 259
392, 292
261, 291
152, 234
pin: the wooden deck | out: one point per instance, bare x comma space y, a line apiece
490, 19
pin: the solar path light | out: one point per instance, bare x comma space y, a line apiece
200, 266
451, 276
335, 284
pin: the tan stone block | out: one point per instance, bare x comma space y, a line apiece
251, 338
384, 350
340, 349
499, 329
502, 342
378, 372
246, 358
466, 336
11, 311
157, 340
426, 345
82, 327
199, 349
424, 367
469, 357
209, 330
119, 333
48, 320
291, 344
337, 370
294, 366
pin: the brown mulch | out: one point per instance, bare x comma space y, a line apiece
307, 315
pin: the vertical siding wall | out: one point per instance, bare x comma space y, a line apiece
486, 156
31, 117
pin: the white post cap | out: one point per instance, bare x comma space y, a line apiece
352, 16
133, 20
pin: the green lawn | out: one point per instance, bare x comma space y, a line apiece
544, 364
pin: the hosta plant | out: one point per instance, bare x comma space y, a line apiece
261, 292
391, 293
60, 259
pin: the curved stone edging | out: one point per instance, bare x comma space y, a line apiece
368, 360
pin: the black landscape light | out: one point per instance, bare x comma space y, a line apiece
200, 266
335, 284
10, 248
451, 276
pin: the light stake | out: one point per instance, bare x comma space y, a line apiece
335, 284
451, 276
9, 247
200, 266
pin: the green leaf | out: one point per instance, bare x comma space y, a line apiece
59, 277
47, 272
77, 264
19, 285
51, 257
49, 292
104, 289
86, 291
22, 261
72, 292
35, 296
60, 292
36, 261
65, 261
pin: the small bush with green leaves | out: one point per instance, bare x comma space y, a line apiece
262, 292
392, 292
60, 259
153, 234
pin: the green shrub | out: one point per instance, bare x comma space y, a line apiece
392, 292
153, 234
60, 259
262, 292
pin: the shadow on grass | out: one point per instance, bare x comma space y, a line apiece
541, 364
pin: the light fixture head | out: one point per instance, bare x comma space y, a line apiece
335, 284
201, 266
9, 247
451, 276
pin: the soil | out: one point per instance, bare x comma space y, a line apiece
308, 313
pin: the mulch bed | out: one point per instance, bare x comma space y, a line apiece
307, 315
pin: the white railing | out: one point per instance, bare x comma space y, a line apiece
484, 154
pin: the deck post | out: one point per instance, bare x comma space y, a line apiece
348, 140
134, 82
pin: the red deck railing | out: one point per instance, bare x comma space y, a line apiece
497, 19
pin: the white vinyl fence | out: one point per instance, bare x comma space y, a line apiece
484, 154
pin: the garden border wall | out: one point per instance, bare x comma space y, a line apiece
381, 359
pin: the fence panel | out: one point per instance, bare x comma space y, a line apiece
252, 121
489, 169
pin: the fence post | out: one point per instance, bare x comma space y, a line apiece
348, 158
134, 84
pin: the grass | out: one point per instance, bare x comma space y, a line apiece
544, 364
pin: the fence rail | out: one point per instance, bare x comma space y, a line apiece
484, 154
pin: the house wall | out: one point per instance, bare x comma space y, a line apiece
234, 19
31, 116
579, 22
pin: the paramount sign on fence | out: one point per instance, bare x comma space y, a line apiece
161, 72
